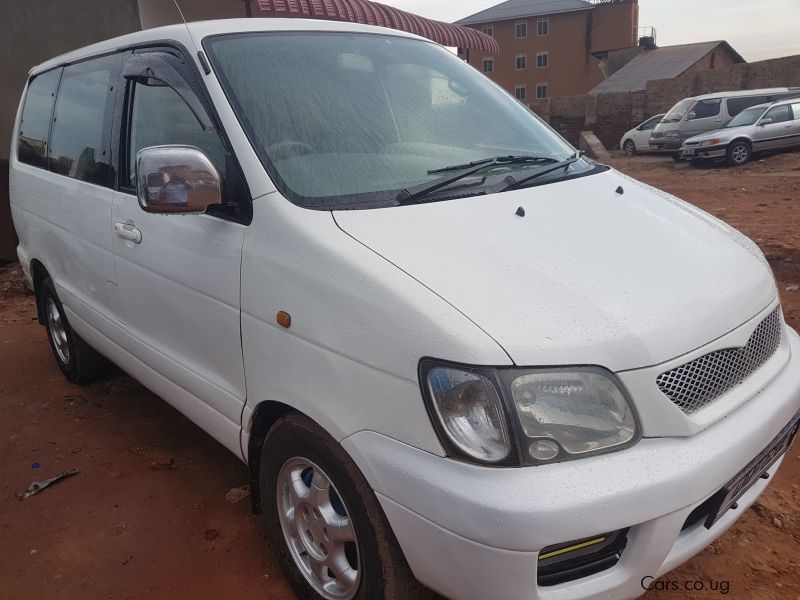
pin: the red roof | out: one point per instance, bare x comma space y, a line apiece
374, 13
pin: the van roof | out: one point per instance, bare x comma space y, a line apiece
735, 94
191, 35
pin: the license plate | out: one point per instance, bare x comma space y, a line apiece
689, 152
739, 485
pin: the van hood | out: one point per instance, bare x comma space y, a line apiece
588, 276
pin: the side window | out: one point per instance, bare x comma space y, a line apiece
649, 125
779, 114
737, 105
796, 111
37, 113
706, 108
79, 147
159, 116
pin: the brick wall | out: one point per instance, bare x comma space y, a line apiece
611, 115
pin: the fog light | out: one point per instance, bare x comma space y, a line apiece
543, 450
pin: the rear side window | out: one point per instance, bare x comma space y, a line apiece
36, 115
737, 105
796, 110
79, 144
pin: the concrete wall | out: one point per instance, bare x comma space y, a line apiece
611, 115
614, 25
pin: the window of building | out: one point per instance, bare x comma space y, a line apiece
542, 90
488, 65
159, 116
79, 144
542, 60
522, 29
521, 62
521, 93
543, 26
488, 30
36, 116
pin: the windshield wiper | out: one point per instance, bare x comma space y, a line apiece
509, 183
457, 172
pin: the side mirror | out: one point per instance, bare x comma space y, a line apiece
691, 116
176, 179
765, 121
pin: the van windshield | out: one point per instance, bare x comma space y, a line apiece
747, 117
676, 112
349, 120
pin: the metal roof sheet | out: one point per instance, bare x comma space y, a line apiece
374, 13
660, 63
515, 9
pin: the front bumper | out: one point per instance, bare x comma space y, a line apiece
472, 532
718, 151
665, 145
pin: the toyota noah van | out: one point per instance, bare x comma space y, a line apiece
456, 355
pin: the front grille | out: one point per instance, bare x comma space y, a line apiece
701, 381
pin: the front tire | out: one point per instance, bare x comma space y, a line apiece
77, 360
323, 521
676, 156
629, 148
739, 153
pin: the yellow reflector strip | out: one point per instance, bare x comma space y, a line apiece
571, 548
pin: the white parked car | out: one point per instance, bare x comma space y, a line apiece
451, 350
638, 139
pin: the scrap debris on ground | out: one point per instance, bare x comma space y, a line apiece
160, 511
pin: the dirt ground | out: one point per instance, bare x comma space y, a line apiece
147, 516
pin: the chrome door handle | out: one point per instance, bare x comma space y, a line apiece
128, 232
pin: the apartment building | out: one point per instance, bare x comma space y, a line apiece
552, 47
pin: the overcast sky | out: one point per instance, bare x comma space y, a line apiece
757, 29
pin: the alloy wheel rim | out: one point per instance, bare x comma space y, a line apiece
740, 153
318, 530
629, 148
57, 331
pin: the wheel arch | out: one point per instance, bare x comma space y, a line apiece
265, 415
747, 141
38, 274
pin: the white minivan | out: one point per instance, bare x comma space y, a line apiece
453, 352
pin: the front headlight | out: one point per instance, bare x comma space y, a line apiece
470, 414
672, 134
714, 142
570, 414
514, 417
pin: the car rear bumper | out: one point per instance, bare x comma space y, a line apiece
472, 532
